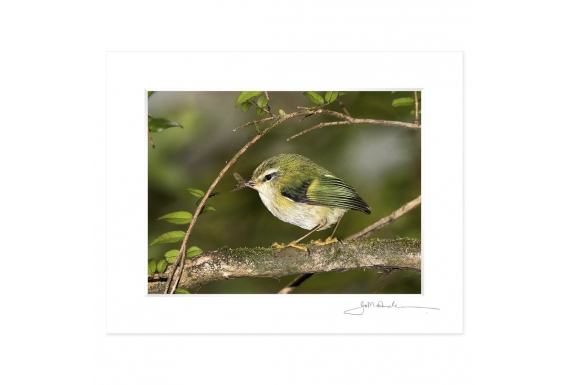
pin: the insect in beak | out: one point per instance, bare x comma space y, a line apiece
241, 183
250, 183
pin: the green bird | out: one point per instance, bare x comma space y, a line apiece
299, 191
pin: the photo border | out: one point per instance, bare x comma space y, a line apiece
439, 75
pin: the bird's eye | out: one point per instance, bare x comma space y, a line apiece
268, 177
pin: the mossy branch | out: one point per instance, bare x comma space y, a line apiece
371, 253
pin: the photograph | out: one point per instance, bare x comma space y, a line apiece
284, 192
322, 191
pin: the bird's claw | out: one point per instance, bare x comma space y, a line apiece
282, 246
326, 242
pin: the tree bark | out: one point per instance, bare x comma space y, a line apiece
226, 263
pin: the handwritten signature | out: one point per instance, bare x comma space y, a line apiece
380, 304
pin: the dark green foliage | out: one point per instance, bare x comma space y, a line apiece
193, 251
161, 266
170, 237
245, 106
331, 96
197, 193
382, 163
246, 95
151, 266
171, 256
213, 194
262, 100
207, 209
159, 124
178, 217
314, 97
403, 102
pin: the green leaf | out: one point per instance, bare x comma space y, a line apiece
260, 112
171, 255
193, 251
161, 266
207, 208
281, 112
181, 290
403, 102
246, 95
331, 96
314, 97
413, 112
197, 193
245, 106
150, 93
159, 124
151, 266
212, 194
341, 93
262, 100
178, 217
170, 237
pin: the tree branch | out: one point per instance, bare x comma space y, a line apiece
174, 275
417, 107
295, 283
402, 253
347, 120
361, 234
387, 220
341, 104
182, 251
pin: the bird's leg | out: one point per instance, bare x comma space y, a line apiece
294, 243
330, 238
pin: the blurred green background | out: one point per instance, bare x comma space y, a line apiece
383, 164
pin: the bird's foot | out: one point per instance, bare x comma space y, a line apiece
326, 242
292, 244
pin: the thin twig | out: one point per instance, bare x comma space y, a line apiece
253, 122
181, 254
267, 110
295, 283
277, 120
362, 234
177, 279
378, 122
386, 220
347, 118
203, 202
318, 126
266, 95
350, 120
341, 104
417, 108
336, 114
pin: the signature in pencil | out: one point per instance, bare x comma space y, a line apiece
380, 304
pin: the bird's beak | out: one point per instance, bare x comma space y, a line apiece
250, 184
241, 183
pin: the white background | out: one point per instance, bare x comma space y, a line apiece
53, 163
440, 77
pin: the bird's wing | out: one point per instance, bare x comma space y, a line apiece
326, 190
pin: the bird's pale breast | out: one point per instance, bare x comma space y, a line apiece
301, 214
